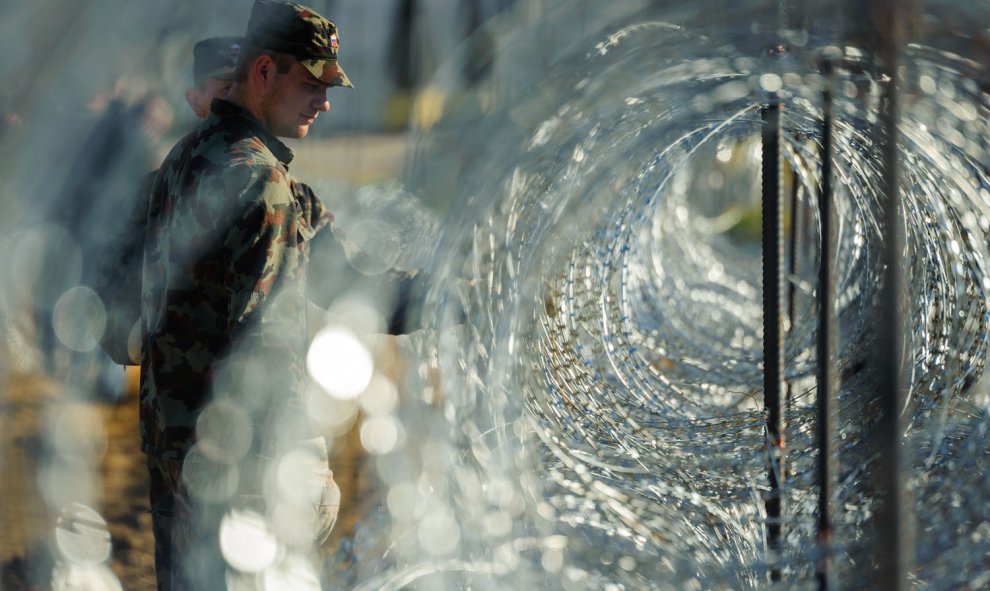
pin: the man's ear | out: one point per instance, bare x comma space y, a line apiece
194, 97
264, 70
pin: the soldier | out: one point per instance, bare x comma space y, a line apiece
214, 60
76, 221
223, 289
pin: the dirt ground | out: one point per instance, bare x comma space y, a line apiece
27, 525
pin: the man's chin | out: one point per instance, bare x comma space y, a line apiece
294, 133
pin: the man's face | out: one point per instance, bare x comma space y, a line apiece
293, 102
214, 88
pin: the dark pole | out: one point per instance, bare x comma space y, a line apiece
826, 347
773, 329
892, 545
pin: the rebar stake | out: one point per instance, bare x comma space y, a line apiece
826, 387
773, 327
892, 537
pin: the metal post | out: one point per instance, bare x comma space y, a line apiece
826, 347
795, 246
892, 544
773, 329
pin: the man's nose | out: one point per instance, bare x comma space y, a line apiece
321, 103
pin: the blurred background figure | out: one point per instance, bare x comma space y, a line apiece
78, 222
213, 70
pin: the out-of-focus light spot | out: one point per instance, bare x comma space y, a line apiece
249, 381
84, 577
376, 247
246, 541
224, 432
380, 397
724, 153
293, 524
397, 468
437, 455
552, 560
627, 563
308, 498
730, 91
771, 82
702, 103
78, 434
553, 553
81, 535
292, 574
500, 492
380, 435
64, 483
79, 319
716, 180
340, 363
947, 88
850, 89
206, 479
334, 416
238, 581
439, 533
431, 487
300, 475
555, 542
498, 524
508, 556
354, 313
404, 501
31, 275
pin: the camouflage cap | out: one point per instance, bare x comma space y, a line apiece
300, 32
216, 57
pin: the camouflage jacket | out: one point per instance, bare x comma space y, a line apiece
118, 277
223, 283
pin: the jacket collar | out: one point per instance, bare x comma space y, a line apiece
227, 110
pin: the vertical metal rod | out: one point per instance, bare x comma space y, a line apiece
798, 224
800, 220
892, 545
826, 347
773, 330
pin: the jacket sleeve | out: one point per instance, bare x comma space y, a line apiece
257, 242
